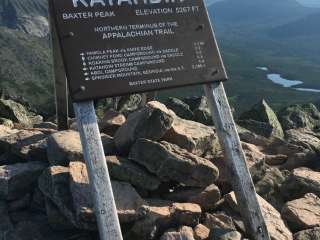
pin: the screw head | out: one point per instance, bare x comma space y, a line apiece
200, 27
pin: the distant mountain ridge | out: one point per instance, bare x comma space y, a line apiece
28, 16
306, 3
307, 26
253, 13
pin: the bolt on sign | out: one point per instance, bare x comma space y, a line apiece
117, 47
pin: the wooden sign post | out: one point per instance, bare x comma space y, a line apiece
113, 48
59, 73
105, 208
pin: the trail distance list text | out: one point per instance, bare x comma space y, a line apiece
115, 47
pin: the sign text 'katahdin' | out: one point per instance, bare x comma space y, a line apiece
93, 3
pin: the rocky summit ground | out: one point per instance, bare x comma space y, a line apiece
169, 175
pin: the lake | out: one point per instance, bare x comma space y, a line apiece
278, 79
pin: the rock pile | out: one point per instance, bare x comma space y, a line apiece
169, 176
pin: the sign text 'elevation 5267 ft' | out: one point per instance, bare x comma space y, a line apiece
117, 47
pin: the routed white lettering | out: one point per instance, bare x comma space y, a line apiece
75, 3
93, 3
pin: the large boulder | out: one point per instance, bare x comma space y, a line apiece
127, 200
223, 234
151, 122
6, 131
275, 225
63, 147
129, 103
161, 215
219, 220
300, 182
200, 109
262, 120
280, 151
111, 122
155, 222
53, 183
15, 111
180, 108
30, 145
184, 232
309, 234
19, 179
206, 197
303, 213
201, 232
300, 116
122, 169
195, 137
269, 187
304, 138
56, 219
170, 162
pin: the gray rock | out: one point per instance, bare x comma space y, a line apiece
6, 131
219, 220
223, 234
170, 162
303, 213
122, 169
183, 233
27, 144
276, 227
300, 116
180, 108
111, 122
109, 146
310, 234
289, 155
262, 120
46, 125
63, 147
205, 197
129, 103
15, 111
19, 179
304, 138
151, 122
300, 182
269, 187
201, 232
200, 109
192, 136
161, 215
127, 200
195, 102
56, 219
156, 220
260, 128
54, 183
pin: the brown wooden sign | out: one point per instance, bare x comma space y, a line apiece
117, 47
